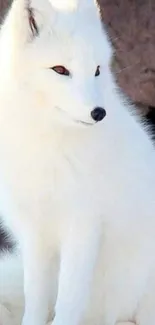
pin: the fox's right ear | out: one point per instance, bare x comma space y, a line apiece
25, 19
34, 29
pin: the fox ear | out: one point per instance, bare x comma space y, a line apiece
64, 5
72, 4
32, 22
21, 22
25, 19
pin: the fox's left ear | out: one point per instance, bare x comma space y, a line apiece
69, 5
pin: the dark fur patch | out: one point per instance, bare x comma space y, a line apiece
6, 241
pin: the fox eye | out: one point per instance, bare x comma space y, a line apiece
61, 70
97, 73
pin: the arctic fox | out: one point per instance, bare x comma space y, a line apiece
77, 174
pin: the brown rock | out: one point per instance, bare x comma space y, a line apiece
4, 4
131, 26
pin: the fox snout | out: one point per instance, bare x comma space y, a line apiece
98, 114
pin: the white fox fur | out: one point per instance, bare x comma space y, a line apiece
78, 196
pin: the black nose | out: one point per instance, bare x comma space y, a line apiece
98, 114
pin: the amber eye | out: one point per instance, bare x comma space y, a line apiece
97, 73
61, 70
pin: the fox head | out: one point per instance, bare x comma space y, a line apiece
61, 52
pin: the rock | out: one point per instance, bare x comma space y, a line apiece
131, 26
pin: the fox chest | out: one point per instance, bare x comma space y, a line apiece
53, 182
